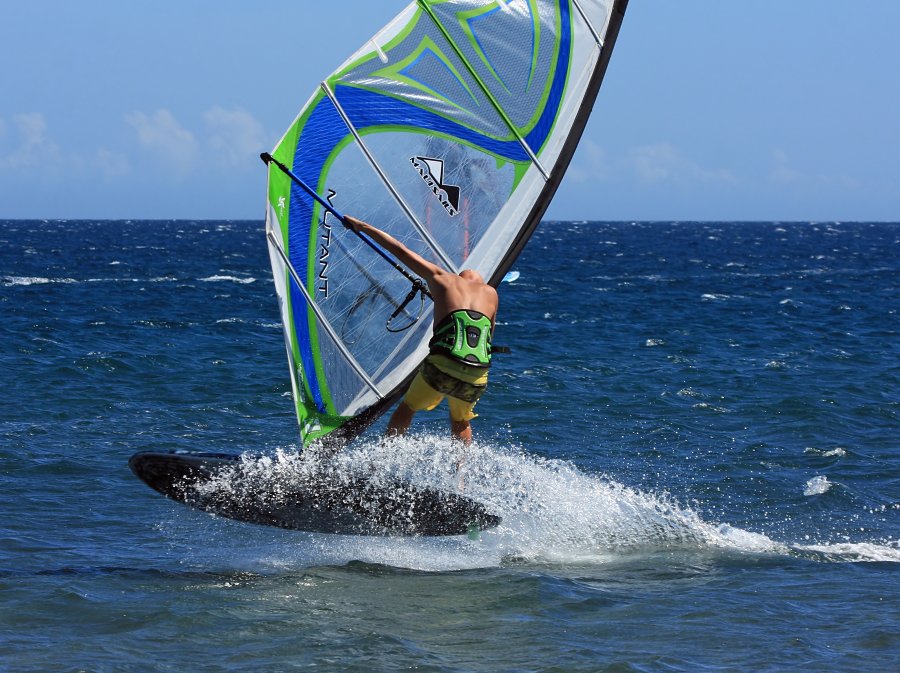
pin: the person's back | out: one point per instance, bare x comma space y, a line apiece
465, 311
467, 291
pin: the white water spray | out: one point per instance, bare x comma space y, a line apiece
551, 511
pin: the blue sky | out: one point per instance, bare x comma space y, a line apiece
711, 110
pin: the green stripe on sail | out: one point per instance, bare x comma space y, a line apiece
313, 423
395, 73
317, 425
536, 47
397, 39
464, 19
311, 274
280, 188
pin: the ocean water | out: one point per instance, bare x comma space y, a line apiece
694, 443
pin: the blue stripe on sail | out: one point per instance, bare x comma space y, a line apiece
369, 109
323, 131
301, 324
541, 131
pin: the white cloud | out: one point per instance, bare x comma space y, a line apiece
782, 173
664, 162
230, 138
162, 135
236, 137
655, 163
659, 163
32, 145
590, 164
111, 164
30, 148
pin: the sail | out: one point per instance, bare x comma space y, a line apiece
451, 130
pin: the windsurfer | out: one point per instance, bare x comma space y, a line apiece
465, 310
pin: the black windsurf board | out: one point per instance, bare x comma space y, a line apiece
326, 502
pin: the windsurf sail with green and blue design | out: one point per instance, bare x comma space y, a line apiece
451, 130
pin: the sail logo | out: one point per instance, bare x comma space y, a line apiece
432, 172
324, 245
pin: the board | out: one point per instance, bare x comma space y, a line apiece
326, 503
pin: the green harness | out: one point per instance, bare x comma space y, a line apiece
464, 335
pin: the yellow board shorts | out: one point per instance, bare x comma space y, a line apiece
461, 384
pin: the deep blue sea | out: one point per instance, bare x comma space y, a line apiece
695, 446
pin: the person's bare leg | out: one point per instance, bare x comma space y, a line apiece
400, 420
461, 431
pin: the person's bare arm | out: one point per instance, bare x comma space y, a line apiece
418, 264
496, 298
